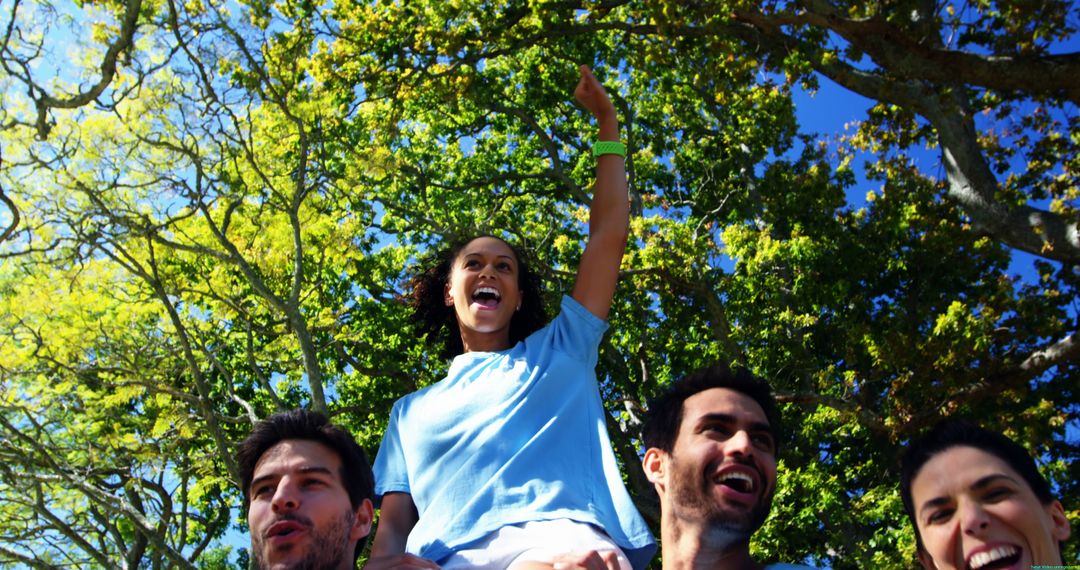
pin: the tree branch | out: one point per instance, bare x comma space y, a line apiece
972, 184
108, 72
911, 59
1064, 351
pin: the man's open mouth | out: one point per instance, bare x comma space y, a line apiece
737, 480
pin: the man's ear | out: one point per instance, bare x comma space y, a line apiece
362, 523
926, 560
655, 466
447, 298
1060, 528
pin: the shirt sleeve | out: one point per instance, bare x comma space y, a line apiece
391, 471
577, 332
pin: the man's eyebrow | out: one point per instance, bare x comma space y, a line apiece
315, 469
716, 417
719, 417
305, 469
259, 480
761, 426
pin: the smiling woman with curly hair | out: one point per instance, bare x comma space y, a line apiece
434, 318
506, 463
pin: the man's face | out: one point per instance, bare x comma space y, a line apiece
974, 511
721, 473
299, 513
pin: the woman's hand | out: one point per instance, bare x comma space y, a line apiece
591, 94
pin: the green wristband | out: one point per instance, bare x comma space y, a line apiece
608, 147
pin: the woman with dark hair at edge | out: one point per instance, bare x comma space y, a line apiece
506, 463
978, 502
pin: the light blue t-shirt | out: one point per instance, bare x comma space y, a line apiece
510, 437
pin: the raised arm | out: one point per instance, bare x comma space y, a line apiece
397, 517
609, 215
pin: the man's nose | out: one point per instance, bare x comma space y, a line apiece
739, 443
286, 496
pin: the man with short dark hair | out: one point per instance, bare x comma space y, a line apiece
977, 500
308, 489
711, 443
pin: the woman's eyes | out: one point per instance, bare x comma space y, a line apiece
993, 495
501, 266
940, 515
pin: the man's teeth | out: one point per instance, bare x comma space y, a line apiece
983, 558
738, 476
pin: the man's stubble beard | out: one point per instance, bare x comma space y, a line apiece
692, 496
326, 549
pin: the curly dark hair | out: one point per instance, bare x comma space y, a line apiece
433, 318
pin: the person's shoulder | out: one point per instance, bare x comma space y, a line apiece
574, 314
568, 304
420, 395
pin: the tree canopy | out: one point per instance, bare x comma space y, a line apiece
210, 211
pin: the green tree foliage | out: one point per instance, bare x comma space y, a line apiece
210, 210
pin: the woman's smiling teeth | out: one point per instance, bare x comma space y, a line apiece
988, 557
487, 297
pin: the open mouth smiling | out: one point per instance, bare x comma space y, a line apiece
487, 297
1004, 556
737, 480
